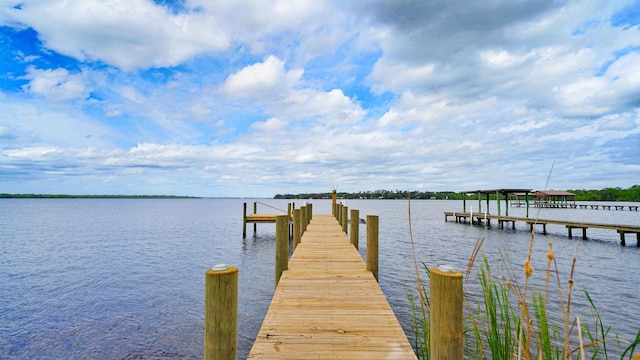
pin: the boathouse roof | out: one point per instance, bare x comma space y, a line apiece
493, 191
553, 193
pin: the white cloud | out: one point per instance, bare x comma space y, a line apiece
267, 79
57, 84
271, 124
129, 34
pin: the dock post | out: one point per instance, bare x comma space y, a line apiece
355, 227
282, 246
334, 198
345, 218
296, 228
622, 241
289, 213
244, 220
303, 219
221, 313
445, 317
498, 201
255, 211
372, 245
309, 213
339, 213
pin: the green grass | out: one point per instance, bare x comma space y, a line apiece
510, 321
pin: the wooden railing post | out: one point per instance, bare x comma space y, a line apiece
282, 246
345, 218
445, 310
244, 220
221, 313
372, 244
296, 228
355, 227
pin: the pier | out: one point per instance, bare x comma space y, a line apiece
255, 218
327, 305
481, 218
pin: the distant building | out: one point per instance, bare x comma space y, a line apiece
554, 199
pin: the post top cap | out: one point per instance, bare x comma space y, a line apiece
446, 269
220, 267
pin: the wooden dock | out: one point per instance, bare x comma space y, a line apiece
328, 306
481, 218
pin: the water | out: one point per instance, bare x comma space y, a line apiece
124, 278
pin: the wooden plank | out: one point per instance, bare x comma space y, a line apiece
327, 306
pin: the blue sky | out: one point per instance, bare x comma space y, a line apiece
254, 98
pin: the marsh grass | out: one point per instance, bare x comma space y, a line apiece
510, 321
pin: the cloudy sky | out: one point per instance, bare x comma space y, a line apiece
257, 97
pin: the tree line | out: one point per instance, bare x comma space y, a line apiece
607, 194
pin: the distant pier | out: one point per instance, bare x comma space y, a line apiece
546, 199
483, 218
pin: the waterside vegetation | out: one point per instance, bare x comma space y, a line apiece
66, 196
510, 320
606, 194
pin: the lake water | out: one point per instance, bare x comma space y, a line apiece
124, 278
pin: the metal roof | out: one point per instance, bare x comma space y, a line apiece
502, 191
555, 193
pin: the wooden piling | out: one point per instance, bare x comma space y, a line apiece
334, 199
221, 313
355, 228
445, 317
282, 246
345, 218
372, 244
244, 220
296, 228
255, 211
303, 219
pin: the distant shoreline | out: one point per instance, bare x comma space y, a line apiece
66, 196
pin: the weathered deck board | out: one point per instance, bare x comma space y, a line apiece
328, 306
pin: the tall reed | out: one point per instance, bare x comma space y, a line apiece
511, 321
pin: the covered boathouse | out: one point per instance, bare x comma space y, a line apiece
500, 194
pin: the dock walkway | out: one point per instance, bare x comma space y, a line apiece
328, 306
570, 225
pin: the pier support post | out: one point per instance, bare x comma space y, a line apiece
221, 313
334, 199
244, 220
310, 211
445, 317
303, 219
355, 228
296, 228
282, 246
372, 245
345, 218
255, 211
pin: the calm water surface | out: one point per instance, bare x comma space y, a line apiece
124, 278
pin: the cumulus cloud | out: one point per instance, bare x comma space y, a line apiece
129, 34
267, 79
57, 84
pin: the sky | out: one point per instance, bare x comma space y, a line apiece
252, 98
